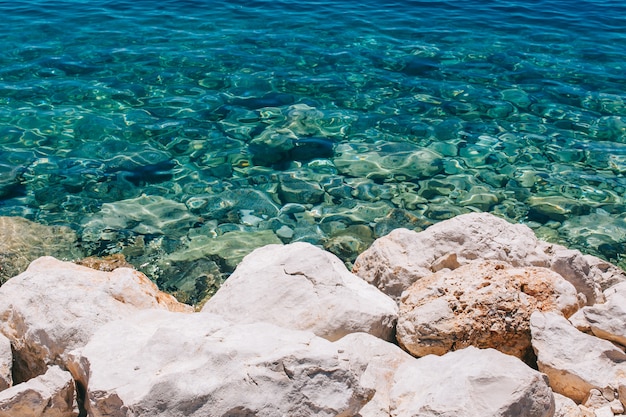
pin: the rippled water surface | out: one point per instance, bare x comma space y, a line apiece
183, 134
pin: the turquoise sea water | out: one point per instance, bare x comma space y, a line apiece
184, 133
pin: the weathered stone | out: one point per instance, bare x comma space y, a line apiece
575, 362
566, 407
470, 383
483, 304
402, 257
299, 286
49, 395
608, 320
55, 306
377, 362
106, 263
6, 363
160, 363
605, 273
573, 266
23, 241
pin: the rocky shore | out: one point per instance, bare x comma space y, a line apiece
473, 317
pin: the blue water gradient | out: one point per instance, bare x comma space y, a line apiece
368, 115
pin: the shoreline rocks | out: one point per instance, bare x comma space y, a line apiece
293, 332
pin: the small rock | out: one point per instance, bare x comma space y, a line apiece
299, 286
49, 395
565, 407
605, 274
106, 263
284, 232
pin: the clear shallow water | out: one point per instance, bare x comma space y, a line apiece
184, 133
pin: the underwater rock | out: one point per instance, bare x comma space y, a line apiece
23, 241
145, 215
486, 304
298, 190
299, 286
106, 263
227, 249
389, 161
221, 205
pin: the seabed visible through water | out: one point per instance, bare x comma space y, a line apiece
184, 134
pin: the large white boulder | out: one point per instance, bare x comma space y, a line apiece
56, 306
160, 363
486, 304
6, 363
396, 260
575, 362
470, 382
49, 395
300, 286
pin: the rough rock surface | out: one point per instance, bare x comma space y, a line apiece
484, 304
565, 407
160, 363
49, 395
56, 306
471, 383
403, 256
377, 362
575, 362
300, 286
6, 363
23, 241
607, 320
605, 274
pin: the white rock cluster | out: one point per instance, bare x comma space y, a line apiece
444, 322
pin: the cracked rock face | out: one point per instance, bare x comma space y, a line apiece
56, 306
198, 365
484, 304
300, 286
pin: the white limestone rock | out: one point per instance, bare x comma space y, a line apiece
575, 362
6, 363
608, 320
400, 258
470, 383
605, 273
486, 304
49, 395
56, 306
566, 407
377, 362
302, 287
160, 363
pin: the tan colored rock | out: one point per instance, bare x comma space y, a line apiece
470, 382
160, 363
485, 304
56, 306
6, 363
49, 395
402, 257
575, 362
302, 287
397, 260
23, 241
